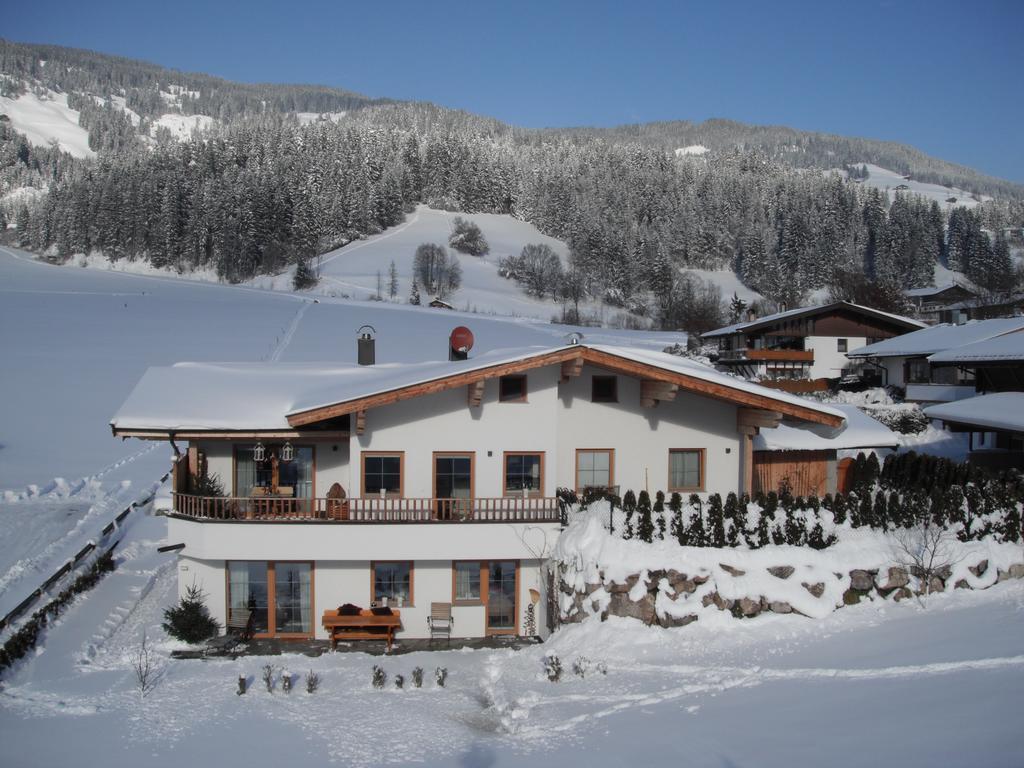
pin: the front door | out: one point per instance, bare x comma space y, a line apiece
453, 485
501, 597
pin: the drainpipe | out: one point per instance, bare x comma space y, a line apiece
170, 439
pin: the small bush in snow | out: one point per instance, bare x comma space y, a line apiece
312, 681
146, 673
417, 677
553, 668
580, 666
286, 682
601, 667
380, 677
399, 682
243, 684
441, 676
268, 677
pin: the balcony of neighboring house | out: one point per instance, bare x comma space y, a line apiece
282, 507
930, 384
768, 350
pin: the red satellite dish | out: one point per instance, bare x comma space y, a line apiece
461, 339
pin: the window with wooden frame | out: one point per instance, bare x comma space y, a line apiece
467, 578
278, 593
523, 472
841, 345
512, 389
383, 474
392, 580
595, 468
604, 389
686, 469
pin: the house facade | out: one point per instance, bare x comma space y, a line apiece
801, 349
930, 302
926, 362
428, 483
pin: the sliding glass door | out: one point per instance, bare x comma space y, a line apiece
280, 595
501, 597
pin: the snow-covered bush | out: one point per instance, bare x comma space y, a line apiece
190, 620
312, 681
268, 677
466, 237
441, 676
417, 677
553, 667
380, 677
906, 419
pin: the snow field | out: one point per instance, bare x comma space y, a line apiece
47, 120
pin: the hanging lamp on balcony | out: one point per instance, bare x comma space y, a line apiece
287, 452
259, 452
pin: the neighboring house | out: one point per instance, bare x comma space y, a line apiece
801, 349
814, 459
909, 361
995, 427
981, 308
996, 363
930, 301
429, 482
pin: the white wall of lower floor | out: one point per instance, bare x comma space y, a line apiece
336, 582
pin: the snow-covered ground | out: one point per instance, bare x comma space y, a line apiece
875, 684
181, 126
47, 120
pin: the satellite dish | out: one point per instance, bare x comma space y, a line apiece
459, 343
461, 339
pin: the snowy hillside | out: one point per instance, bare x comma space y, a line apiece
892, 183
47, 120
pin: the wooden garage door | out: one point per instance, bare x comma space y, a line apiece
805, 472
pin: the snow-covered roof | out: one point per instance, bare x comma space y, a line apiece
1000, 410
860, 431
934, 290
939, 338
261, 396
801, 311
1005, 348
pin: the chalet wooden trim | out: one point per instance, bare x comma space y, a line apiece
596, 357
753, 417
475, 393
572, 368
360, 422
653, 391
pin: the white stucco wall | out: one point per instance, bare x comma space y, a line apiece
336, 582
828, 360
444, 422
642, 437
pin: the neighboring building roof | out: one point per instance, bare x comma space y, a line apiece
998, 350
790, 314
983, 303
284, 396
860, 431
939, 338
999, 411
935, 290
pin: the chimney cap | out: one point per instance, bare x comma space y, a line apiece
368, 334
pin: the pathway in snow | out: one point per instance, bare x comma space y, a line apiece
289, 334
347, 249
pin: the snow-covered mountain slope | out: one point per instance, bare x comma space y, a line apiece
894, 183
47, 120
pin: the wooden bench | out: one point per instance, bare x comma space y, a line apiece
364, 626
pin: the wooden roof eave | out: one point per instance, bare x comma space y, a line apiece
258, 434
596, 357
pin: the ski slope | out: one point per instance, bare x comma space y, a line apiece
890, 181
47, 120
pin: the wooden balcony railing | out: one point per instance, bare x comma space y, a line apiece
768, 355
508, 509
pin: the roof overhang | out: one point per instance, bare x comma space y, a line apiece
598, 357
206, 434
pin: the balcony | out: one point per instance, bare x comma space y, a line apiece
262, 509
741, 356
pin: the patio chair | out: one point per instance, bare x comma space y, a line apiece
441, 621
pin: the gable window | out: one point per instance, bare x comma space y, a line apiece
594, 468
686, 469
392, 581
524, 472
382, 474
512, 389
604, 389
841, 345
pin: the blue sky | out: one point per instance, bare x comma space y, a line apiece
942, 76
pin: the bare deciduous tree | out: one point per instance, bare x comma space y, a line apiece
927, 551
147, 673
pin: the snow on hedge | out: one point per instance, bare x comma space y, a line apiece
588, 555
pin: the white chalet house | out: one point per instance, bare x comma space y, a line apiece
414, 484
